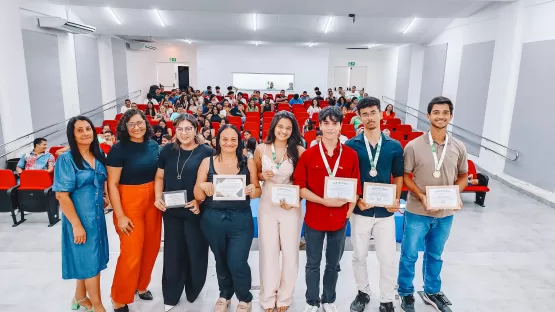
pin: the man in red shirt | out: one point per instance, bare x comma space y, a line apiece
107, 145
325, 217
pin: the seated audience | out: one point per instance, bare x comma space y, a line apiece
246, 136
166, 138
296, 100
164, 127
308, 126
318, 138
339, 91
158, 96
108, 142
356, 121
150, 110
353, 93
319, 96
281, 97
218, 93
207, 134
481, 180
268, 106
37, 159
388, 113
305, 96
162, 113
150, 99
252, 107
314, 107
180, 111
213, 143
341, 101
208, 90
265, 97
216, 116
239, 111
134, 105
331, 97
157, 137
250, 147
125, 107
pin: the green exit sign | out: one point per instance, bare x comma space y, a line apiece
173, 59
351, 64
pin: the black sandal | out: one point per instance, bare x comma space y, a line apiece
147, 295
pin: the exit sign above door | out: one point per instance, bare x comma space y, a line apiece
351, 64
173, 59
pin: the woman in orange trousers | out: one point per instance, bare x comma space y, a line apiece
132, 164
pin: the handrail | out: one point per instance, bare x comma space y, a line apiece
132, 95
115, 103
399, 105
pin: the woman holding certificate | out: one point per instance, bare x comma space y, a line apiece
131, 166
226, 182
185, 249
279, 215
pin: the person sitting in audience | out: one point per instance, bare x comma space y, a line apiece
256, 97
164, 127
158, 96
126, 106
331, 98
208, 90
388, 113
250, 147
105, 128
305, 96
37, 159
225, 110
316, 90
252, 107
162, 113
239, 111
355, 121
224, 122
216, 116
213, 142
308, 126
207, 134
314, 107
166, 138
230, 96
150, 110
281, 97
350, 107
268, 106
150, 99
319, 96
180, 110
353, 93
296, 100
246, 136
481, 180
62, 150
218, 93
361, 94
108, 142
318, 138
339, 91
157, 136
134, 105
266, 97
341, 101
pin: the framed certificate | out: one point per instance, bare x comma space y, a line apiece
287, 192
345, 188
175, 199
443, 197
229, 187
378, 194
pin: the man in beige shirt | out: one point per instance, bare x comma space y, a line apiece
439, 164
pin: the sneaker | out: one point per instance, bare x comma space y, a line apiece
407, 303
330, 307
310, 308
437, 301
387, 307
221, 305
243, 307
360, 302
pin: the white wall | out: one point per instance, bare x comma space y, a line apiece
107, 82
142, 70
217, 63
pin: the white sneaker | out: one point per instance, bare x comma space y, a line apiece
330, 307
310, 308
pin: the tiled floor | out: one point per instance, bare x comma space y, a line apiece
498, 258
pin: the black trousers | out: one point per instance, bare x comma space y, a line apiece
185, 256
229, 234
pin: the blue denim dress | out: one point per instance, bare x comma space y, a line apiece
86, 189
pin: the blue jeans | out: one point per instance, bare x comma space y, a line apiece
334, 250
432, 233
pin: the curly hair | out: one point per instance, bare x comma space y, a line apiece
122, 133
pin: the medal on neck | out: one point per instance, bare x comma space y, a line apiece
373, 160
276, 165
331, 173
438, 164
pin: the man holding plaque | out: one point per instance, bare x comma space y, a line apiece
328, 177
380, 157
438, 162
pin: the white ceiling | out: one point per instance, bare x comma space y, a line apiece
278, 21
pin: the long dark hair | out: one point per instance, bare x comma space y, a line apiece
122, 134
94, 147
294, 139
388, 105
239, 151
317, 102
341, 103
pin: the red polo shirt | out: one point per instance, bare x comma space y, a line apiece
310, 173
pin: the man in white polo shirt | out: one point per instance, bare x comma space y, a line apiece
434, 159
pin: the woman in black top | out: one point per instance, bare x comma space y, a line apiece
150, 110
216, 115
131, 166
164, 126
185, 249
227, 225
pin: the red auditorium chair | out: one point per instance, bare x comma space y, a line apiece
290, 96
284, 106
98, 130
392, 121
141, 107
348, 117
35, 194
404, 143
269, 114
8, 195
118, 116
413, 135
474, 188
323, 104
399, 136
403, 128
309, 136
53, 150
219, 97
388, 127
254, 134
253, 114
111, 123
246, 96
307, 104
350, 134
271, 96
347, 128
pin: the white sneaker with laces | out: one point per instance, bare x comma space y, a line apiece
310, 308
330, 307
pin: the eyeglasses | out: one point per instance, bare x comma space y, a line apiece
185, 130
138, 124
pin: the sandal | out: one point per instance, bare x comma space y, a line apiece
76, 304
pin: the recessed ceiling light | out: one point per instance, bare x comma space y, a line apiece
254, 26
311, 44
256, 42
113, 15
159, 18
328, 23
409, 25
187, 41
373, 45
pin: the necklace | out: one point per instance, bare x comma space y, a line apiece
179, 173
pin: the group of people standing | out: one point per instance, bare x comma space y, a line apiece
134, 175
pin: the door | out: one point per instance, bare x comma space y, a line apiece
341, 76
183, 77
357, 77
167, 75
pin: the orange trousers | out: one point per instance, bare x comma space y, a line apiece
139, 250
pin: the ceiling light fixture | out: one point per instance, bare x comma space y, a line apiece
373, 45
311, 44
328, 25
254, 21
256, 43
113, 15
187, 41
409, 25
160, 18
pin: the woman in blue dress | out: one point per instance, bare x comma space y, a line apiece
79, 178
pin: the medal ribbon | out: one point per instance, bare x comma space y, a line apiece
373, 160
274, 157
330, 173
437, 163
